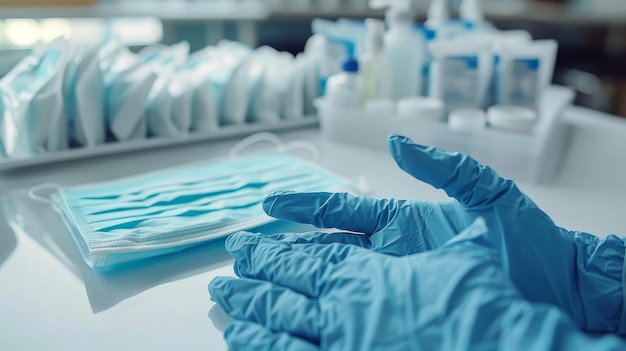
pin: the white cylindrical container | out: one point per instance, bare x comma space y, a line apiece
467, 119
421, 107
343, 88
380, 108
512, 118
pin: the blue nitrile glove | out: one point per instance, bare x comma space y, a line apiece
343, 297
575, 271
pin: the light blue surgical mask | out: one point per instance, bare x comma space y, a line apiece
204, 100
170, 210
33, 120
168, 109
127, 83
83, 95
6, 114
225, 68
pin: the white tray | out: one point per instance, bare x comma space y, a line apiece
530, 157
152, 143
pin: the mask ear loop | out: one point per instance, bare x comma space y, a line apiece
254, 139
301, 145
277, 142
361, 182
32, 192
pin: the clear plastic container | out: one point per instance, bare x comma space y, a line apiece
531, 157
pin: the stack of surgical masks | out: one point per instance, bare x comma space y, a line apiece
170, 210
32, 109
71, 95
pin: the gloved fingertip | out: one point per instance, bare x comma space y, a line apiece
213, 284
398, 143
272, 199
458, 174
236, 241
397, 138
231, 240
269, 202
426, 163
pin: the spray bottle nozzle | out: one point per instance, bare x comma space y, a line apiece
350, 65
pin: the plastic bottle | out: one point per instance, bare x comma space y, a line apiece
438, 14
403, 56
369, 60
439, 22
471, 11
342, 89
437, 17
331, 52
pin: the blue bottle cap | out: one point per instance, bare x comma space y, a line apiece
351, 66
430, 34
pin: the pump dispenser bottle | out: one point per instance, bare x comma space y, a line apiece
403, 55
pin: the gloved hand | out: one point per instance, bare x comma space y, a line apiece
343, 297
575, 271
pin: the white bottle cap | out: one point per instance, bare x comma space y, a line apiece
380, 108
421, 107
512, 118
467, 119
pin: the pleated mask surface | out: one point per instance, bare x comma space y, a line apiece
170, 210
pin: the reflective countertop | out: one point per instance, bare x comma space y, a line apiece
49, 299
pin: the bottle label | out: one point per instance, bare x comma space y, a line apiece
524, 82
459, 83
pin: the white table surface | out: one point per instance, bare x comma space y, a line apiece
50, 300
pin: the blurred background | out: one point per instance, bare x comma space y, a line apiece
591, 33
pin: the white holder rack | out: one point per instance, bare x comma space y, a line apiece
531, 157
119, 147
